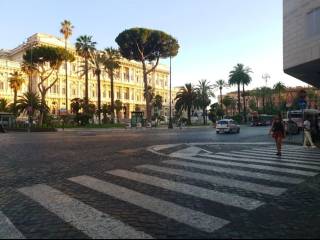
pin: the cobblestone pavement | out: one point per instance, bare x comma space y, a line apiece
176, 190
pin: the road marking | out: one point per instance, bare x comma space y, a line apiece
300, 149
243, 173
293, 150
259, 188
8, 230
214, 196
181, 214
307, 155
250, 153
83, 217
254, 155
250, 165
255, 160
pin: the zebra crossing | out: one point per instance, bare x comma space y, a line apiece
255, 171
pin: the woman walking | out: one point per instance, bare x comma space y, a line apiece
278, 132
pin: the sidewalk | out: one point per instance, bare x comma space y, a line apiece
160, 128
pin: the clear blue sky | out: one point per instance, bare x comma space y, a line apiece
214, 35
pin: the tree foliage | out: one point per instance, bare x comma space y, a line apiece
147, 46
186, 99
46, 61
204, 91
239, 75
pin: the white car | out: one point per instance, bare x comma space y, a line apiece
227, 126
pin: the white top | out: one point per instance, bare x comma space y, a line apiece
307, 125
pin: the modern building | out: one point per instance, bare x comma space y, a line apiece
129, 86
301, 40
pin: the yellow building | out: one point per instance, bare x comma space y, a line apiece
128, 85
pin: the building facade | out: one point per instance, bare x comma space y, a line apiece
289, 96
128, 86
301, 40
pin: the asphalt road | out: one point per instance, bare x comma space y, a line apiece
159, 183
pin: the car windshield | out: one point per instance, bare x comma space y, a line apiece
222, 122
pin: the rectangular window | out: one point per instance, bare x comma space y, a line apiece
126, 75
1, 86
313, 23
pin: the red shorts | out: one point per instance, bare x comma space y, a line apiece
277, 135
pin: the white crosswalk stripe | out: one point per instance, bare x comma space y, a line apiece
181, 214
262, 156
8, 230
259, 188
83, 217
243, 173
306, 155
252, 166
294, 167
224, 198
257, 160
301, 150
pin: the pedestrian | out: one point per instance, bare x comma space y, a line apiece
307, 134
1, 129
278, 132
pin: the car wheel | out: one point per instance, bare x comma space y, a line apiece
238, 130
217, 132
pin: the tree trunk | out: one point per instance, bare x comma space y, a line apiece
86, 100
221, 97
148, 100
239, 103
204, 115
189, 116
15, 102
43, 105
99, 97
244, 104
112, 97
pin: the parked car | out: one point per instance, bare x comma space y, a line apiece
227, 126
291, 127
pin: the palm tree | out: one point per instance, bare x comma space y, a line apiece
96, 64
66, 30
28, 69
246, 80
279, 88
227, 101
118, 107
233, 105
29, 103
186, 99
221, 84
266, 94
84, 47
16, 81
111, 63
204, 93
240, 75
157, 103
4, 105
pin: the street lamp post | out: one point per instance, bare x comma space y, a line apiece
170, 111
